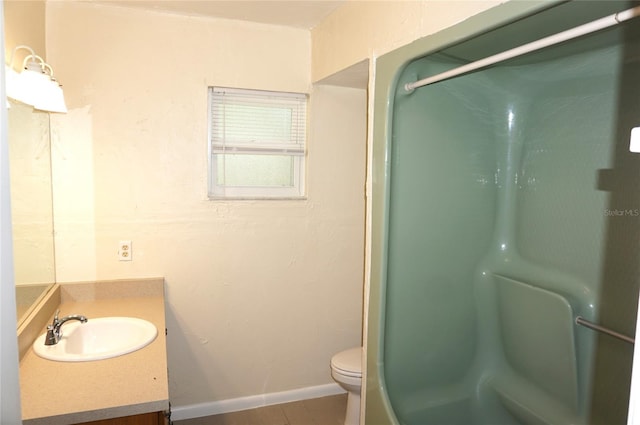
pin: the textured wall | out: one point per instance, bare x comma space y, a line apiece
365, 29
24, 25
31, 201
28, 133
252, 286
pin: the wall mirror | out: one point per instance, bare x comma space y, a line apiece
31, 205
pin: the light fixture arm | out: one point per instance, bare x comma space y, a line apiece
22, 46
45, 67
34, 63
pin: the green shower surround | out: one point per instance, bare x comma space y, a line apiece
500, 204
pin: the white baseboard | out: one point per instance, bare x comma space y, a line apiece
250, 402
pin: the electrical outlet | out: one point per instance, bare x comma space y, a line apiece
125, 252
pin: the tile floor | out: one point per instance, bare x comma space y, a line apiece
318, 411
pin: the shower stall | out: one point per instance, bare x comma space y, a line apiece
506, 209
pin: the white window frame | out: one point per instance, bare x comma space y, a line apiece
297, 149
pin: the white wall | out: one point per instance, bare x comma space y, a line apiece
361, 30
31, 201
260, 293
10, 413
23, 25
20, 23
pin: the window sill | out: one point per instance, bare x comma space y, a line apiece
256, 198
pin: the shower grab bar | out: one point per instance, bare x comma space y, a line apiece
593, 26
587, 324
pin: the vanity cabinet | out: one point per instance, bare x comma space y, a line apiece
154, 418
122, 387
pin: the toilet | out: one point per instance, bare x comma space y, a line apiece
346, 370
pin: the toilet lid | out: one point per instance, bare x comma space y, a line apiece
348, 362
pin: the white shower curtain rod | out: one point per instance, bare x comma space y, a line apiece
598, 24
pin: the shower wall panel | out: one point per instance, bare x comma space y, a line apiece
441, 216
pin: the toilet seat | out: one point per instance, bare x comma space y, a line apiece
348, 362
346, 370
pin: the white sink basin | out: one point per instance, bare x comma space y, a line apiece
97, 339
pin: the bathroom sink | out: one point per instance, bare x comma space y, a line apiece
97, 339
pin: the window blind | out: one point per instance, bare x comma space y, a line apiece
257, 122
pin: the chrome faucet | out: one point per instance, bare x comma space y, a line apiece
53, 330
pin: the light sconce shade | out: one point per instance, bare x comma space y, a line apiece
12, 79
54, 100
35, 85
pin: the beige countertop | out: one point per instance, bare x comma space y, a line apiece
54, 393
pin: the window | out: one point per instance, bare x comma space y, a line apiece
257, 143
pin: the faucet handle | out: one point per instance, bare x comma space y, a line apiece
55, 317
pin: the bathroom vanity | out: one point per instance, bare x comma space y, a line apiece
123, 390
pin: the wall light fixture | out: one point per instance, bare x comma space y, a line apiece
35, 84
